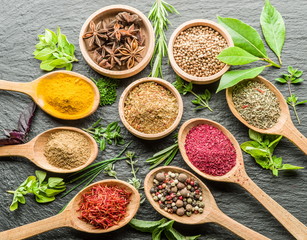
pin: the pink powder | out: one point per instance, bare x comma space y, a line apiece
210, 150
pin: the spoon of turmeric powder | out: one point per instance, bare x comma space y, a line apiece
39, 152
62, 94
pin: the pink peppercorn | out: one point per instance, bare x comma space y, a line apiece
210, 150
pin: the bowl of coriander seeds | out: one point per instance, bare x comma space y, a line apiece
193, 48
117, 41
150, 108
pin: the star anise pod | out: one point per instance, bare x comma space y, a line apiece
113, 55
116, 32
131, 52
96, 34
99, 54
127, 18
129, 32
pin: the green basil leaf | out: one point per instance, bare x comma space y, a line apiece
50, 37
277, 161
254, 149
255, 135
273, 28
290, 167
173, 234
54, 181
281, 80
14, 206
244, 36
231, 78
45, 65
43, 54
167, 225
274, 143
69, 67
298, 80
298, 73
58, 62
43, 199
275, 172
41, 175
53, 192
236, 56
302, 102
156, 234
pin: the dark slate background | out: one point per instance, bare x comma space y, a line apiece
22, 21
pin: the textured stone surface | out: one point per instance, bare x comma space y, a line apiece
22, 21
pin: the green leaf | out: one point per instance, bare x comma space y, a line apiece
298, 80
41, 175
277, 161
302, 102
57, 62
45, 65
231, 78
236, 56
273, 28
43, 199
167, 225
275, 172
50, 37
14, 206
53, 192
281, 80
43, 54
254, 149
244, 36
274, 143
156, 234
173, 234
255, 135
54, 181
290, 167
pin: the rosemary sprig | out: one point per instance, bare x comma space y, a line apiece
167, 155
158, 15
201, 101
103, 135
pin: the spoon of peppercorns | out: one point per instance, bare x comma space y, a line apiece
235, 174
179, 195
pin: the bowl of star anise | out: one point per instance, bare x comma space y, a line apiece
117, 41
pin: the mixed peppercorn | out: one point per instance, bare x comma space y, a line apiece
177, 193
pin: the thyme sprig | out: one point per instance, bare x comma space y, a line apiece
201, 101
158, 15
292, 77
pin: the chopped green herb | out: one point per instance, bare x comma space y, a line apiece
107, 89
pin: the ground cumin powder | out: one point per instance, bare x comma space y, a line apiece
67, 149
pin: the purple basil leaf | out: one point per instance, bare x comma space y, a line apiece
18, 135
10, 141
25, 119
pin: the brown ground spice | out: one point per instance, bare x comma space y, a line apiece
151, 108
67, 149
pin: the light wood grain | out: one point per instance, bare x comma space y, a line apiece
147, 30
147, 136
69, 217
34, 150
211, 211
238, 175
30, 88
178, 70
284, 125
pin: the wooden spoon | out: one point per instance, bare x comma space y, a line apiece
34, 150
284, 126
211, 211
238, 175
69, 217
30, 88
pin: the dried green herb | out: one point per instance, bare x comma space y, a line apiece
107, 89
249, 47
106, 135
158, 15
201, 101
262, 149
43, 189
55, 51
292, 77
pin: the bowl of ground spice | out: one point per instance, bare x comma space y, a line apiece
193, 48
117, 41
150, 108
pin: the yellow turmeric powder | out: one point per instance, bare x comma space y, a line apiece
65, 95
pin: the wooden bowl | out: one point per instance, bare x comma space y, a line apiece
189, 24
108, 12
147, 136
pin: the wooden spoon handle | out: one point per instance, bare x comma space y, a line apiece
26, 88
22, 150
292, 224
32, 229
242, 231
294, 135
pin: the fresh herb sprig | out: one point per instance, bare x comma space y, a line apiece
156, 228
106, 135
201, 101
43, 189
292, 77
55, 51
166, 155
249, 47
158, 15
107, 89
262, 149
19, 135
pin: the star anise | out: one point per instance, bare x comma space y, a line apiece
131, 52
127, 18
99, 54
113, 55
116, 32
96, 34
129, 32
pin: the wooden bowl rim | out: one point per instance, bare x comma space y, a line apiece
192, 23
284, 110
123, 73
154, 136
239, 166
73, 117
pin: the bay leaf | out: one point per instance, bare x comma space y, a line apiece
236, 56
